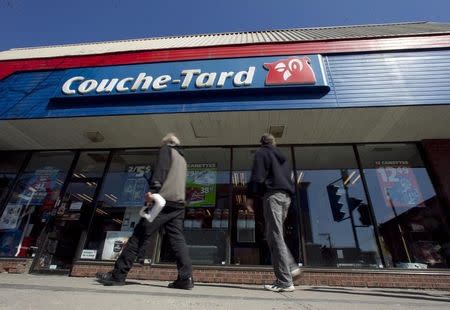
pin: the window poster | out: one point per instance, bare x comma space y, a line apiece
398, 183
130, 219
40, 184
11, 217
135, 185
114, 244
201, 185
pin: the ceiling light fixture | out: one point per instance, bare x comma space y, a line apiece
95, 136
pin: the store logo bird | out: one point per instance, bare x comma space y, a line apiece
293, 70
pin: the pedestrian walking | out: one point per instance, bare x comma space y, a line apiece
169, 181
271, 180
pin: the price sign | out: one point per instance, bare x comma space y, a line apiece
398, 183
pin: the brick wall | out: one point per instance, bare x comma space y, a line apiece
14, 265
311, 277
262, 275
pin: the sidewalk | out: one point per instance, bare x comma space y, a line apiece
24, 291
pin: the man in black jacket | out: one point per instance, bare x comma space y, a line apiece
168, 180
271, 180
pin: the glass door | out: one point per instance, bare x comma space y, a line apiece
71, 216
31, 203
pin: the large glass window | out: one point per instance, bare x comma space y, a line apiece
410, 218
32, 202
10, 163
337, 227
119, 202
207, 210
248, 243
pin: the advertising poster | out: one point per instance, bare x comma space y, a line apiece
39, 184
114, 243
201, 185
398, 183
130, 219
135, 186
11, 217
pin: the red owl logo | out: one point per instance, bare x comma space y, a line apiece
293, 70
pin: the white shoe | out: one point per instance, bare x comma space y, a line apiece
276, 288
296, 273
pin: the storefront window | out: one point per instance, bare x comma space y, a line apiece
207, 210
338, 230
248, 243
10, 163
73, 213
119, 202
32, 203
409, 216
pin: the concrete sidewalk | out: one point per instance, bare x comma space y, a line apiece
26, 291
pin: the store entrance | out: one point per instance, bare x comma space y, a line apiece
67, 227
71, 218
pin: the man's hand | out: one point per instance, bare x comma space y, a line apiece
249, 204
148, 197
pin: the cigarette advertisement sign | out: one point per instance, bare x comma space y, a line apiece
201, 185
135, 186
114, 243
398, 183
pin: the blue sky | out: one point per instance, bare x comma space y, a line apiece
26, 23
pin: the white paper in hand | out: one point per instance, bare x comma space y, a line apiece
158, 204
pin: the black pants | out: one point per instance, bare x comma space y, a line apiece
172, 220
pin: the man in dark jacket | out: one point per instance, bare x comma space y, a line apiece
271, 180
168, 180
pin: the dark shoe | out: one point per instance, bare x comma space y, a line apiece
107, 279
187, 284
100, 275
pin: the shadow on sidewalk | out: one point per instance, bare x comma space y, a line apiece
200, 285
382, 293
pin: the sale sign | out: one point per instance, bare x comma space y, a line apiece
201, 185
398, 183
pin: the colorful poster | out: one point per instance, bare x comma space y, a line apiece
201, 185
114, 244
135, 186
11, 217
40, 184
398, 183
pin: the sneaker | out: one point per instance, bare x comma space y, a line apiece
142, 262
107, 279
187, 284
296, 273
277, 288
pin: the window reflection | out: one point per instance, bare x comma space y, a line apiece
337, 227
410, 218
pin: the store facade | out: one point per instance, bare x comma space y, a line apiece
363, 121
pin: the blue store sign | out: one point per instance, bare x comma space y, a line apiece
303, 72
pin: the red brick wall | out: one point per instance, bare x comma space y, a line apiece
437, 153
263, 275
15, 265
359, 278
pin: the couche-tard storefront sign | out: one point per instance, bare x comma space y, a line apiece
252, 73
